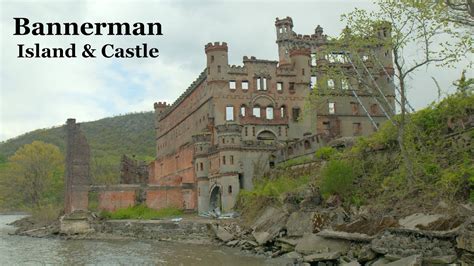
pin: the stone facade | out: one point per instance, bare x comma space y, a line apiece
220, 133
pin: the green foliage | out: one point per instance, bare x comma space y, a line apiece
337, 178
274, 188
294, 162
141, 212
33, 177
325, 153
109, 139
46, 214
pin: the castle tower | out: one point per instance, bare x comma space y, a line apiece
284, 31
300, 58
217, 61
160, 107
202, 142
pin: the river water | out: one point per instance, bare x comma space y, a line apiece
22, 250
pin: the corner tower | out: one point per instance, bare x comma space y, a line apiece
217, 61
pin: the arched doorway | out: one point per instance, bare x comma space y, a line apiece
216, 199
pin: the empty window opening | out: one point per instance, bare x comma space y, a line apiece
332, 108
245, 85
264, 84
201, 165
357, 128
253, 131
307, 145
242, 110
313, 60
313, 81
355, 108
291, 88
232, 159
258, 84
282, 111
344, 84
279, 86
296, 114
256, 111
229, 113
230, 189
374, 109
212, 58
223, 160
269, 112
246, 131
330, 84
218, 69
232, 84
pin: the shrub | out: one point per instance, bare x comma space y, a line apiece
141, 212
337, 178
325, 153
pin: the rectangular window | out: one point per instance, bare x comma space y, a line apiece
242, 110
223, 160
344, 84
253, 131
245, 85
330, 84
355, 108
256, 111
292, 87
357, 128
232, 84
229, 113
246, 131
313, 81
296, 114
269, 112
332, 108
279, 86
264, 84
313, 60
258, 84
232, 159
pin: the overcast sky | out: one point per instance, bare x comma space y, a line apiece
41, 93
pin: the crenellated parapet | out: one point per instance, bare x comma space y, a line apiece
237, 69
216, 46
254, 60
185, 94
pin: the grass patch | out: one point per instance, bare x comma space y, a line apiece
141, 212
294, 161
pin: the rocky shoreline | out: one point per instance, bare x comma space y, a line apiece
307, 234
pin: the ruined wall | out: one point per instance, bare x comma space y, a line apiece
78, 178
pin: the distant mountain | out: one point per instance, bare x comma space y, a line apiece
109, 138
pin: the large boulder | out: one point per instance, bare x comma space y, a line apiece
221, 233
76, 223
311, 244
300, 223
465, 240
418, 219
269, 225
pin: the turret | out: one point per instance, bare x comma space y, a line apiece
384, 52
300, 58
217, 61
284, 31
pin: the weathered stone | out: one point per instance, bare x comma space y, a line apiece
269, 225
440, 259
467, 259
322, 256
345, 236
294, 255
75, 223
379, 262
352, 263
232, 243
300, 223
412, 221
334, 201
414, 260
466, 240
311, 243
222, 234
366, 254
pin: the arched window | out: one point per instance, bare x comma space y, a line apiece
269, 112
256, 111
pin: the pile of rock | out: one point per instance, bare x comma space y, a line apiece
306, 236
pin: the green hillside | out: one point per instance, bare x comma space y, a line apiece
109, 138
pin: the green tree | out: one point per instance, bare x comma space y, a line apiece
414, 25
33, 176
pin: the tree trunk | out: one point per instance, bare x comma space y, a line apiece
401, 133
